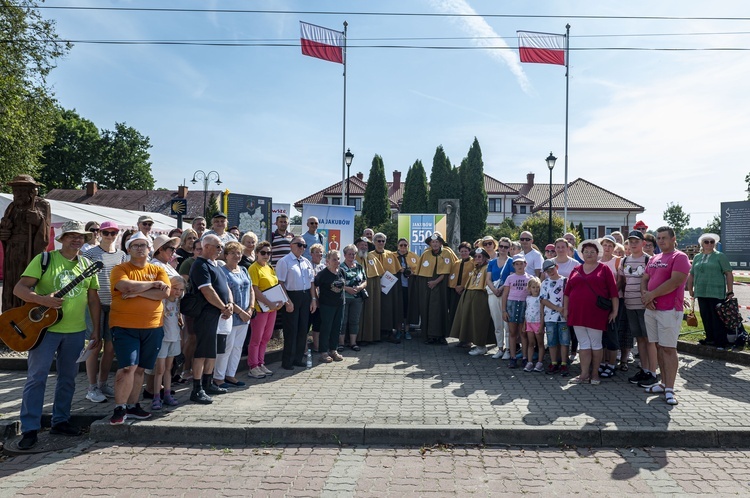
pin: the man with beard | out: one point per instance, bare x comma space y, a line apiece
390, 304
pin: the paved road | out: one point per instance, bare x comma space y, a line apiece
103, 470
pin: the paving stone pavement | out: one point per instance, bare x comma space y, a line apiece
416, 386
98, 469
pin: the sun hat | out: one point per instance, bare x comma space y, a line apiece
640, 224
137, 236
164, 239
708, 236
72, 226
590, 242
608, 238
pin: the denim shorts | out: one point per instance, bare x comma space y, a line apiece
137, 346
558, 334
516, 311
104, 331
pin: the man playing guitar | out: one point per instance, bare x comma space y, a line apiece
64, 337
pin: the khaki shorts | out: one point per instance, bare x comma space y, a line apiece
663, 327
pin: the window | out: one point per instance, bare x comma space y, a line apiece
521, 209
496, 205
590, 232
609, 230
356, 202
336, 201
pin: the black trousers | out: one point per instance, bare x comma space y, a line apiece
712, 324
296, 326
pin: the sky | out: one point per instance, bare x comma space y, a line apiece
654, 126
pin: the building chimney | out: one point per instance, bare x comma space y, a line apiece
530, 179
360, 176
396, 180
182, 192
91, 189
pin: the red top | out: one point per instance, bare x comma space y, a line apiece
582, 290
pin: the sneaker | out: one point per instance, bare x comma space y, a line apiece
170, 401
256, 373
186, 376
119, 416
336, 356
95, 395
107, 390
571, 358
265, 370
563, 370
478, 351
529, 367
65, 429
28, 440
201, 397
539, 367
156, 404
619, 355
137, 412
553, 368
506, 355
648, 380
631, 358
498, 354
407, 336
635, 379
512, 363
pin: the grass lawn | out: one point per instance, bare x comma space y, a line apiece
694, 334
744, 280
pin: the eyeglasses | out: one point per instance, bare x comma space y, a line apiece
525, 239
503, 247
107, 233
264, 253
138, 246
147, 223
301, 244
709, 241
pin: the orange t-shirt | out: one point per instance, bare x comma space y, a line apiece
137, 312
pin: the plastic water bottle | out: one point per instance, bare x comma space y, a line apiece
309, 358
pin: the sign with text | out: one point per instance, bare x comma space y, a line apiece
417, 227
277, 209
335, 224
735, 233
250, 213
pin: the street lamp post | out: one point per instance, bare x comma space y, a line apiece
348, 158
550, 164
206, 178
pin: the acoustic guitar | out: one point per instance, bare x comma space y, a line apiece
23, 328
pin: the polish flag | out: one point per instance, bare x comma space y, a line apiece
541, 48
322, 43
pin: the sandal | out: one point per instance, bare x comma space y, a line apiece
580, 380
355, 348
607, 372
669, 397
595, 382
656, 389
624, 366
326, 359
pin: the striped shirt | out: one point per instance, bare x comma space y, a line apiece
281, 245
110, 260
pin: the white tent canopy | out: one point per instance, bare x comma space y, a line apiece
63, 211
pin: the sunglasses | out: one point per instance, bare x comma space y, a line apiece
300, 244
147, 223
264, 253
488, 243
503, 247
108, 233
93, 230
380, 241
313, 223
170, 248
525, 239
709, 241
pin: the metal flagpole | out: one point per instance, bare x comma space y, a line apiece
343, 145
567, 87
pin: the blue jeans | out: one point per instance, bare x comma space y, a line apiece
67, 347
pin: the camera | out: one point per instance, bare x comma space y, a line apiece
339, 284
407, 272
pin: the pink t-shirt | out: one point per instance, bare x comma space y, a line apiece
517, 286
659, 270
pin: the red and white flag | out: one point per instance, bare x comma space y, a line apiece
541, 48
322, 43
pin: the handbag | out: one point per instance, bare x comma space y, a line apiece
690, 318
729, 313
364, 294
603, 303
192, 304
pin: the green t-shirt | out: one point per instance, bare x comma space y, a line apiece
709, 279
60, 272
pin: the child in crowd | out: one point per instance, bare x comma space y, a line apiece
534, 331
170, 346
558, 335
514, 306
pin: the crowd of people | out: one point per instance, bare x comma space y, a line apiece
195, 300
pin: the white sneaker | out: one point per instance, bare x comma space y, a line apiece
265, 370
256, 373
529, 367
95, 395
498, 354
631, 359
619, 355
539, 367
506, 355
478, 351
107, 390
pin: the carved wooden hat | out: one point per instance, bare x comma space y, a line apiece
24, 181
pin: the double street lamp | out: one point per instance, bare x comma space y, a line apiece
206, 178
550, 164
348, 158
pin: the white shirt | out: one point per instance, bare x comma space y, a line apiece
533, 261
297, 274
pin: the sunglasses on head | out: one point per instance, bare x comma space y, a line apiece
264, 253
108, 233
300, 244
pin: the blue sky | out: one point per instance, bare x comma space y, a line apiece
653, 126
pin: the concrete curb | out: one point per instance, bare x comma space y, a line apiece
376, 435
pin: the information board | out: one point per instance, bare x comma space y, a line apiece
250, 213
735, 233
417, 227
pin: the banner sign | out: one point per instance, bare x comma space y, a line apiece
335, 224
735, 233
250, 213
417, 227
277, 209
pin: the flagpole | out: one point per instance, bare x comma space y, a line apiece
343, 146
567, 92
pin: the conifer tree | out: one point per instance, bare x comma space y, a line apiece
415, 190
474, 207
376, 207
441, 177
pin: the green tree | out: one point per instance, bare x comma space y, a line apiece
296, 219
579, 229
123, 161
714, 226
538, 225
677, 219
440, 179
376, 208
73, 152
212, 207
505, 229
474, 207
390, 229
29, 50
415, 190
359, 226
